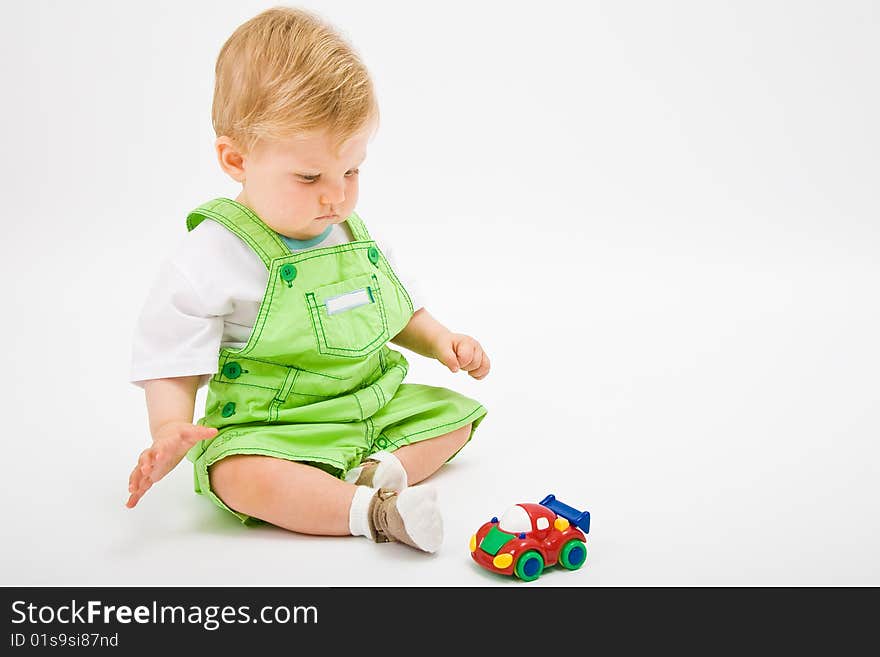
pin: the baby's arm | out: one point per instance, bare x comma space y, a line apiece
428, 337
170, 405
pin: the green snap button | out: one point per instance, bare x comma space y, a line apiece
232, 370
382, 442
288, 273
373, 254
228, 410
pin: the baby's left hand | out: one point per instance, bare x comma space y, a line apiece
459, 351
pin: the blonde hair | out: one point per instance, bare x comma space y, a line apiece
285, 72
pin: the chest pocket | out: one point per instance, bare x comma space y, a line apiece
349, 317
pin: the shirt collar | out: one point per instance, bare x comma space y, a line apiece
298, 245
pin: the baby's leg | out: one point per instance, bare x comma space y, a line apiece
292, 495
424, 458
305, 499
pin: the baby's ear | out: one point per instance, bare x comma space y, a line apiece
230, 158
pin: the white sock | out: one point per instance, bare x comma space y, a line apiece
358, 514
390, 472
418, 508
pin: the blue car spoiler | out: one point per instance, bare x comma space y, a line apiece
580, 519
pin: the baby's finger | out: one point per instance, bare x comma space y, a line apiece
134, 480
475, 363
136, 495
134, 476
466, 352
448, 358
482, 370
479, 356
144, 458
145, 485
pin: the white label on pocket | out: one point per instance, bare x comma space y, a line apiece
348, 301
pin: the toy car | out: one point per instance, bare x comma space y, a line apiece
531, 537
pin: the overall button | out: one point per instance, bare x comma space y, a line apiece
228, 409
373, 254
382, 442
288, 273
232, 370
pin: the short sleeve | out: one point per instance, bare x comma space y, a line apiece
404, 273
176, 334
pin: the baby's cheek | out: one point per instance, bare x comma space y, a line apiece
351, 191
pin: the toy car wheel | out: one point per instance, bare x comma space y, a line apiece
529, 566
573, 554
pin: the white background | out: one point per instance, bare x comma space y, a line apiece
660, 219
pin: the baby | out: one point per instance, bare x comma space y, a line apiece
283, 302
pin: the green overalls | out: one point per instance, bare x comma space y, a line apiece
316, 382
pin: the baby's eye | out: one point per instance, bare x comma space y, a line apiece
310, 179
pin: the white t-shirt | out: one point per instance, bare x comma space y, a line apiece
207, 296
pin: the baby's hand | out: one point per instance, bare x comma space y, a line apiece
458, 351
170, 444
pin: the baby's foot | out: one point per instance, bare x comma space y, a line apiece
410, 516
381, 470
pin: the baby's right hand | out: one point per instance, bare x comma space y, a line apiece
170, 444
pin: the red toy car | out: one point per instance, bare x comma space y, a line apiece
531, 537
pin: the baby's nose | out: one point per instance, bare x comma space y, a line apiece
336, 200
333, 196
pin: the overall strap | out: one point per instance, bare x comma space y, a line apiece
244, 223
357, 228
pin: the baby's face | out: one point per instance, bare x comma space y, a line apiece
299, 186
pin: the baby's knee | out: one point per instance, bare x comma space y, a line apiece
233, 481
463, 434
